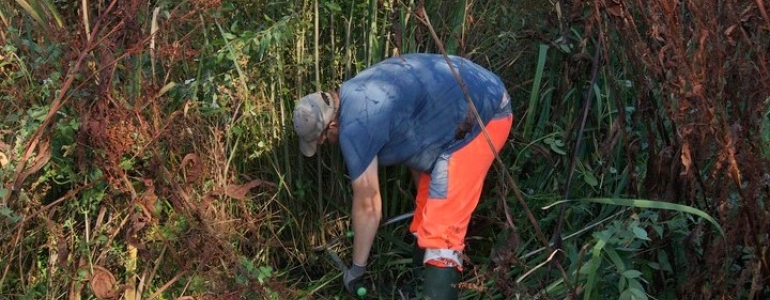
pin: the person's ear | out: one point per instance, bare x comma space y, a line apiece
334, 124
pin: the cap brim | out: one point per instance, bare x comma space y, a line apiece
307, 148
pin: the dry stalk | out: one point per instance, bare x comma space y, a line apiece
167, 284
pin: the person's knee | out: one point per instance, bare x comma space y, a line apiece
444, 258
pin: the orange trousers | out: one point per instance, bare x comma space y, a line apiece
448, 195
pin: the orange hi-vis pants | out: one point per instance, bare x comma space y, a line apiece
448, 195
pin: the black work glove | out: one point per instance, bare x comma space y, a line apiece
353, 280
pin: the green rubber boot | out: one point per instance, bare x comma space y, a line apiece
440, 283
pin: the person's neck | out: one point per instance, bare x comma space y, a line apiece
336, 99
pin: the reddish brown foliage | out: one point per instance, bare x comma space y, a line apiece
703, 70
145, 150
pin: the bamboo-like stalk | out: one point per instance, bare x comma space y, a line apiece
316, 45
153, 35
86, 21
371, 33
349, 59
4, 19
130, 265
317, 64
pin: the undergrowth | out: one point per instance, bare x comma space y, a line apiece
146, 149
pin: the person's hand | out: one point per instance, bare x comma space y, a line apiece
353, 279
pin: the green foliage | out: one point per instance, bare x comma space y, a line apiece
615, 262
7, 213
252, 273
249, 273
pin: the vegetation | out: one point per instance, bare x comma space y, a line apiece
146, 150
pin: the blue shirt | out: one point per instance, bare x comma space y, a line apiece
407, 109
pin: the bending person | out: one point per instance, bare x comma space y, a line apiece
411, 110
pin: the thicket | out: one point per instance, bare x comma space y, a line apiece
146, 150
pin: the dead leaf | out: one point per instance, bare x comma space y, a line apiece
662, 55
697, 90
41, 159
732, 137
730, 29
686, 158
729, 34
195, 171
3, 160
234, 191
239, 191
103, 284
614, 8
148, 199
655, 33
63, 251
207, 199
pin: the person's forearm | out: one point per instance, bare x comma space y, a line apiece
367, 212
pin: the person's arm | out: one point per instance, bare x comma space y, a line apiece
367, 212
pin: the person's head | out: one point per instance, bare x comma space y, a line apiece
315, 121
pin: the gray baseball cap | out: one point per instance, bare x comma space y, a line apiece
311, 116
